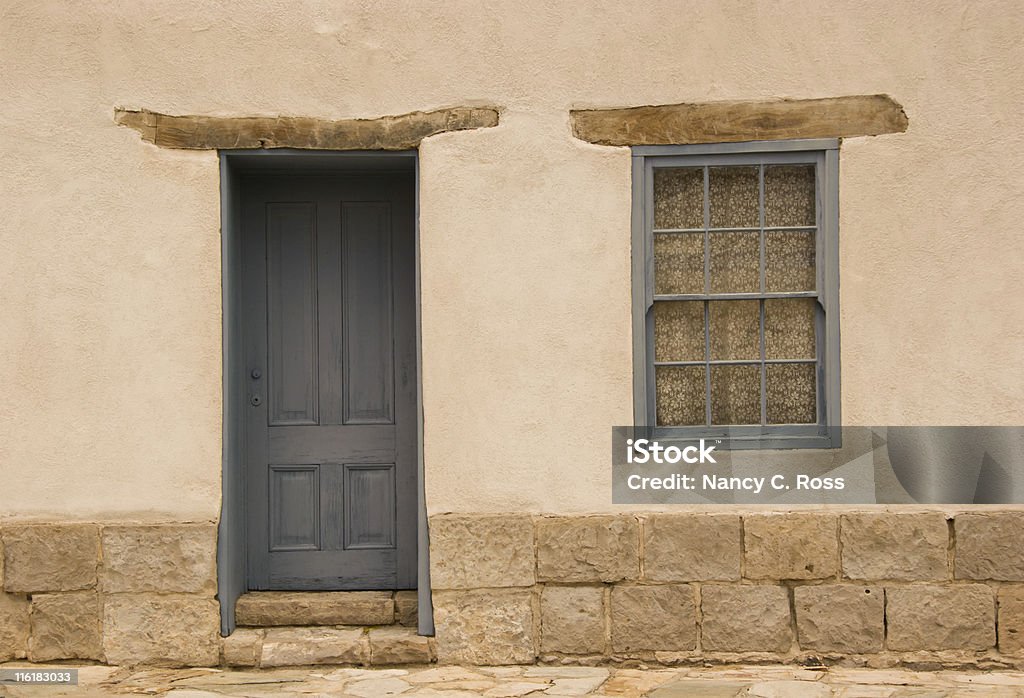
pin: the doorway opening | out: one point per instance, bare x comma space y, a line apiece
322, 458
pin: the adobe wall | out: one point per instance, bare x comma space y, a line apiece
111, 253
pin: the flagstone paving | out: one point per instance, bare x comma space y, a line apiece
533, 681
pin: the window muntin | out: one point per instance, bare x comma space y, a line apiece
736, 246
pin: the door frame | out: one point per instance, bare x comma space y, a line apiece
231, 536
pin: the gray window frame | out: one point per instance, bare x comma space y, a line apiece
824, 154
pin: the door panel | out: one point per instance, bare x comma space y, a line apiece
328, 271
369, 337
291, 313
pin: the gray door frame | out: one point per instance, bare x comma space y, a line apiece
231, 537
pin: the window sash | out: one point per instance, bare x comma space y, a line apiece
823, 154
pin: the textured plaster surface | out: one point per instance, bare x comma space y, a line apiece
109, 247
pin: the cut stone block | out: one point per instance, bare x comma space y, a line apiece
14, 626
161, 630
988, 546
745, 618
790, 546
306, 646
163, 558
840, 618
907, 547
588, 549
658, 618
292, 608
242, 647
398, 645
407, 608
471, 552
692, 547
572, 620
484, 626
47, 557
1011, 620
66, 626
940, 617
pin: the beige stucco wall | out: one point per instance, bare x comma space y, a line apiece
109, 247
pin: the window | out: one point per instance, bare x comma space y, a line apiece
735, 292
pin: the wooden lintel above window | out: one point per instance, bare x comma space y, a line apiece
401, 132
729, 122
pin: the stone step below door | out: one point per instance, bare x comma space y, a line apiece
328, 608
337, 646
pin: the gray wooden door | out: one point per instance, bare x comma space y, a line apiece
328, 284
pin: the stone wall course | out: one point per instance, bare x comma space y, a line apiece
50, 557
160, 558
653, 618
484, 626
840, 618
588, 549
66, 626
572, 620
931, 617
790, 546
570, 588
894, 546
472, 552
988, 546
745, 618
691, 547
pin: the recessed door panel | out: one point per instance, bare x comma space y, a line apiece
292, 312
294, 508
369, 340
370, 506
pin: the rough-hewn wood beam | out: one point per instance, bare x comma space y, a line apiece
401, 132
724, 122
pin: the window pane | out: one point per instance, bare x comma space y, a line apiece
736, 394
789, 328
789, 195
735, 330
679, 331
734, 197
735, 262
679, 263
791, 393
680, 395
679, 197
789, 260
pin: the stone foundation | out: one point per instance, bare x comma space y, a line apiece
919, 589
120, 594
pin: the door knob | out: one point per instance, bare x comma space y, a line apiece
256, 400
256, 374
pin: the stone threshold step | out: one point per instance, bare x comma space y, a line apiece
307, 646
295, 608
